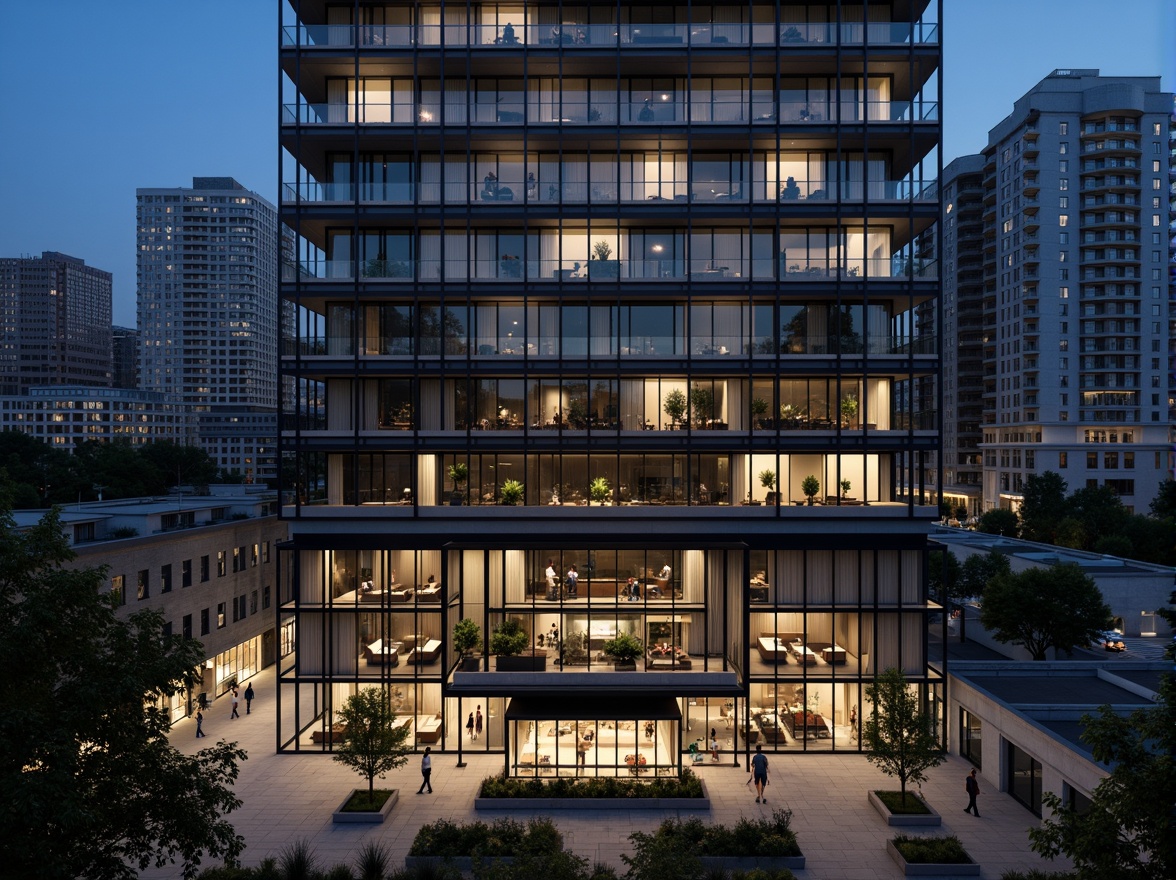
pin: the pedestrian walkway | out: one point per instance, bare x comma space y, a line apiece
291, 797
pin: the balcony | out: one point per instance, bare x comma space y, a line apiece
628, 37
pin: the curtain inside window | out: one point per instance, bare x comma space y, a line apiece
308, 640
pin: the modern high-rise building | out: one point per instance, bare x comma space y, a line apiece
608, 321
126, 357
207, 313
1069, 303
54, 323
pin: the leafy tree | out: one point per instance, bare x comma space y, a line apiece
899, 735
943, 576
1100, 512
180, 465
979, 569
92, 787
998, 522
119, 469
1043, 506
1129, 832
1163, 506
373, 744
1041, 608
1152, 539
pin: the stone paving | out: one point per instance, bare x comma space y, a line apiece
287, 797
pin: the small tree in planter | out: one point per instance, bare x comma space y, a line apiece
511, 492
674, 406
898, 736
509, 638
373, 744
702, 404
768, 481
599, 490
599, 263
846, 485
789, 413
459, 472
810, 486
759, 407
624, 649
466, 636
849, 411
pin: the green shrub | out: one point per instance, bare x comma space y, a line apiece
932, 850
914, 805
500, 839
685, 785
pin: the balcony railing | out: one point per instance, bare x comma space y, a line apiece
509, 268
631, 111
632, 36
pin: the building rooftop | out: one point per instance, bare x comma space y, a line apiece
1042, 554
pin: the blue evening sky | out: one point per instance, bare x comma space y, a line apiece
101, 98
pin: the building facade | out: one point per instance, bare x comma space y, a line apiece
1075, 292
127, 343
66, 416
207, 312
54, 323
207, 563
628, 292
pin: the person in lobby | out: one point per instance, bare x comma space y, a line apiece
508, 34
573, 579
549, 573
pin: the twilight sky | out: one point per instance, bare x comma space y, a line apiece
101, 98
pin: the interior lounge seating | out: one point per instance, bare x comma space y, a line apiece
667, 658
423, 655
428, 593
428, 728
382, 653
334, 734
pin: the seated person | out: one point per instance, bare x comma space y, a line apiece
632, 591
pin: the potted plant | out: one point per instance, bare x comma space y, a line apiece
789, 413
599, 264
767, 479
511, 492
674, 406
849, 411
702, 404
466, 635
624, 649
759, 407
507, 642
373, 744
810, 486
846, 485
599, 491
459, 472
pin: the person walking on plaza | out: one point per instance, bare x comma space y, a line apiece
200, 724
249, 698
972, 786
478, 723
759, 772
426, 771
235, 714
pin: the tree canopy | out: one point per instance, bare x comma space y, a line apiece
999, 521
373, 744
1129, 831
1043, 506
979, 569
92, 787
898, 735
1041, 608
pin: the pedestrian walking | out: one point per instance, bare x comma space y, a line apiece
200, 724
972, 787
478, 723
714, 746
249, 698
426, 771
759, 773
235, 714
470, 725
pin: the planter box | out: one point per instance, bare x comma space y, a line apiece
931, 869
748, 863
541, 805
521, 663
932, 818
471, 664
341, 818
625, 666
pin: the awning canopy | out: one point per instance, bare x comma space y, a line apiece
587, 707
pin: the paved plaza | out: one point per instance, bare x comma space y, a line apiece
287, 797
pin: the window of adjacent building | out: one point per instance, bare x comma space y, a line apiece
1063, 459
203, 569
970, 738
1075, 800
187, 626
220, 615
221, 563
1063, 220
1064, 184
118, 588
1024, 779
167, 629
1092, 461
143, 582
1063, 128
265, 596
238, 563
204, 622
165, 579
253, 557
1063, 148
265, 552
1063, 201
186, 573
253, 602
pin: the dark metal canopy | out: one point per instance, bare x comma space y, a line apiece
588, 707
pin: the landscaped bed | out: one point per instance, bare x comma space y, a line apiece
767, 844
686, 785
925, 856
